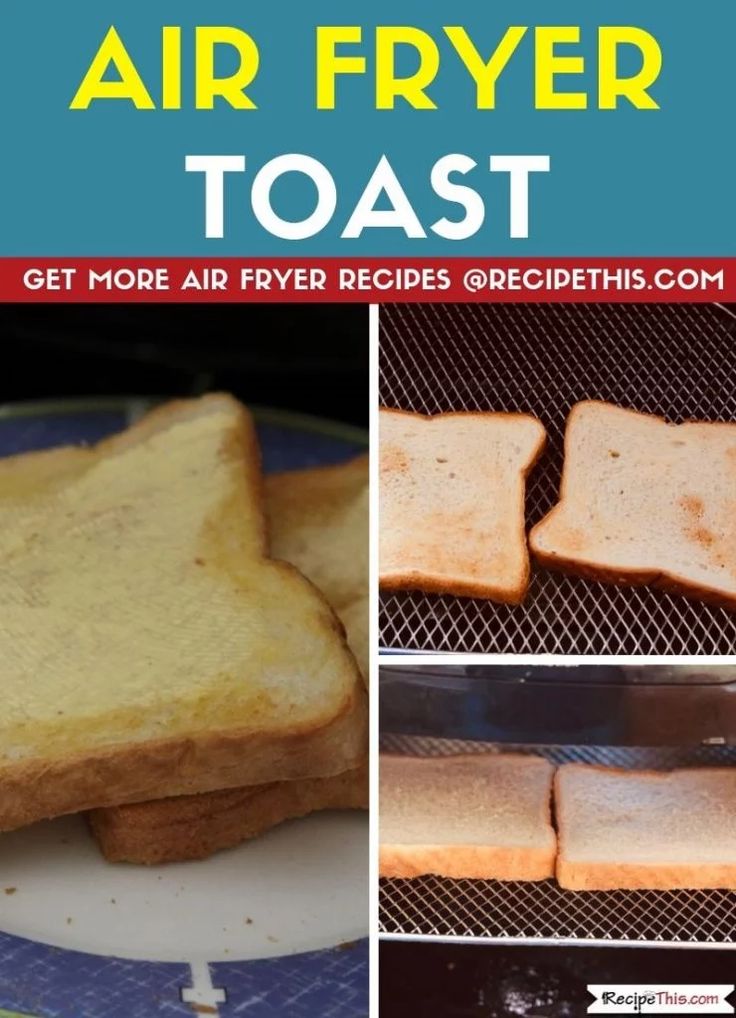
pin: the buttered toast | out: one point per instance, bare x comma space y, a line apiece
148, 647
452, 502
318, 519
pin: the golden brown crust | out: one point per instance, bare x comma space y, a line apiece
35, 790
195, 826
640, 877
471, 862
432, 584
462, 413
669, 582
457, 588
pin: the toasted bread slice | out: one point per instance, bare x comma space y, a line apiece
148, 645
318, 521
196, 826
645, 502
452, 502
632, 830
318, 518
481, 816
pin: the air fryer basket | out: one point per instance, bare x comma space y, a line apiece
675, 360
491, 911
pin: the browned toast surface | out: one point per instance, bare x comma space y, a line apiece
318, 521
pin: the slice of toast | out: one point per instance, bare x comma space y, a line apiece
483, 816
148, 645
452, 502
645, 502
318, 519
196, 826
634, 830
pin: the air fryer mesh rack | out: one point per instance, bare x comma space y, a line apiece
676, 360
523, 912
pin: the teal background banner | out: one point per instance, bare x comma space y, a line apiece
110, 180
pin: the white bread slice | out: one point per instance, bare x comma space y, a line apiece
147, 645
452, 502
484, 816
645, 502
632, 830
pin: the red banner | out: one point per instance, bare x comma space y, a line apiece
374, 280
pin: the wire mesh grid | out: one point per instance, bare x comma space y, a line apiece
634, 757
431, 907
677, 360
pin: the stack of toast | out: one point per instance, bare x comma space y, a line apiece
163, 667
642, 501
517, 817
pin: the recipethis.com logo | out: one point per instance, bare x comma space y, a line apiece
688, 998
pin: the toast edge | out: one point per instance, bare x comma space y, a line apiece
469, 862
582, 876
181, 766
212, 825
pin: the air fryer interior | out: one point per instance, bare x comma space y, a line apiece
517, 912
603, 704
676, 360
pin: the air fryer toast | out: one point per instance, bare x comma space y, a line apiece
645, 502
633, 830
452, 502
474, 816
148, 646
196, 826
318, 519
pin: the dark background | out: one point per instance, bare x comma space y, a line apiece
474, 981
311, 358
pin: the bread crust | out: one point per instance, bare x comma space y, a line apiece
415, 580
432, 584
39, 787
671, 583
615, 876
466, 862
624, 877
195, 826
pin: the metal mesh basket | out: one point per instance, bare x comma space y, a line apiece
675, 360
520, 912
